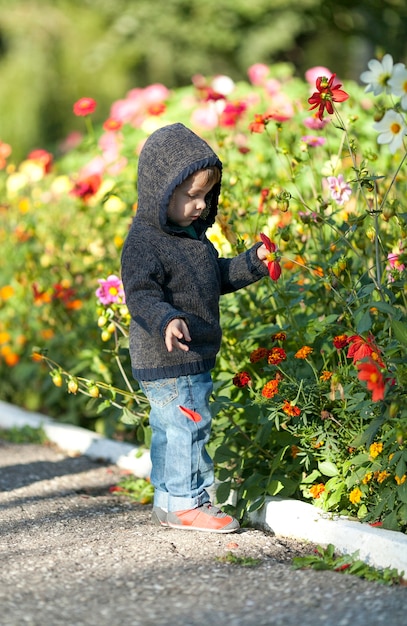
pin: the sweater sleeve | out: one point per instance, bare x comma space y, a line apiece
241, 270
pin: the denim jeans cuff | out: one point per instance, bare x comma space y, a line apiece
173, 503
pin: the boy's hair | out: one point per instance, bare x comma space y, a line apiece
209, 175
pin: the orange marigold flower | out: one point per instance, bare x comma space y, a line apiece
326, 375
291, 410
84, 106
280, 336
270, 389
340, 341
276, 355
242, 379
355, 495
303, 352
316, 490
370, 372
258, 355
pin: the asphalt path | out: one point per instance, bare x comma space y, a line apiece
74, 553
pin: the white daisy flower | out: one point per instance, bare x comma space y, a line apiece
379, 74
392, 129
398, 83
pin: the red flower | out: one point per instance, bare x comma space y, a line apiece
370, 372
43, 158
87, 187
273, 265
84, 106
242, 379
111, 124
327, 94
232, 113
340, 341
360, 348
258, 355
156, 109
276, 355
259, 124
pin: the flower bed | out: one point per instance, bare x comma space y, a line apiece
311, 379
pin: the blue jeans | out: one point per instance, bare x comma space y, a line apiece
182, 469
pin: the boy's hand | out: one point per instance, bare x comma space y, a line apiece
262, 253
176, 330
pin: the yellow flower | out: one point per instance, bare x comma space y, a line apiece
367, 478
355, 495
401, 480
381, 476
375, 449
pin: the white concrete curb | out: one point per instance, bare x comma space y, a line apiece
76, 439
286, 518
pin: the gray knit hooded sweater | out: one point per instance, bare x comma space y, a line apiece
169, 274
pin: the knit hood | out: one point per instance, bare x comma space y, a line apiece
168, 157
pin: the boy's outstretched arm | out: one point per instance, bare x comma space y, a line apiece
176, 330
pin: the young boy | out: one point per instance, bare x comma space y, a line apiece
173, 278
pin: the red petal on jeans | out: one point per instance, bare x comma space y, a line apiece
193, 415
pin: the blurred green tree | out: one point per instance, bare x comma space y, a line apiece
52, 52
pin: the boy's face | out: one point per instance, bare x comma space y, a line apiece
188, 200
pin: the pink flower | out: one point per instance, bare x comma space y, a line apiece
314, 123
340, 190
313, 141
312, 74
110, 290
258, 73
281, 108
206, 116
395, 263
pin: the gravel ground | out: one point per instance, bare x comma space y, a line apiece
74, 554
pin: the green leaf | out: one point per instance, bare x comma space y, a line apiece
327, 468
400, 331
365, 323
223, 492
402, 492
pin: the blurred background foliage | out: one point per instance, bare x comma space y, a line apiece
53, 52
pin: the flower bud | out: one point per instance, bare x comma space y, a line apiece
73, 385
93, 391
57, 378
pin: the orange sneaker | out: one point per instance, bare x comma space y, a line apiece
207, 518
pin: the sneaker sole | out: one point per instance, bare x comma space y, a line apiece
202, 530
156, 520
